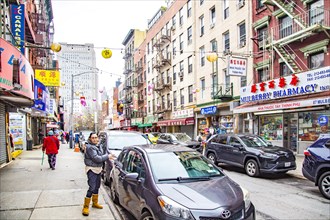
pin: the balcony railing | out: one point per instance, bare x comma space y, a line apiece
163, 83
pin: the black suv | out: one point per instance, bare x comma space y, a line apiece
250, 152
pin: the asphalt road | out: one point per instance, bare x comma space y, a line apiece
279, 197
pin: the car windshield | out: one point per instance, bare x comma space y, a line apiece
182, 137
254, 141
183, 165
118, 142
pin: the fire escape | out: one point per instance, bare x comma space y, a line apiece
163, 62
304, 23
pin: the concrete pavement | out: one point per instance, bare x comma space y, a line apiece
31, 191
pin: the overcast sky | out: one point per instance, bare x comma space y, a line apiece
105, 23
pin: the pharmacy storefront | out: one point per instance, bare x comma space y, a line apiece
291, 111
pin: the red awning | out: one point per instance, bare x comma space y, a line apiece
176, 122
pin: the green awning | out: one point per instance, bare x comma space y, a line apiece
145, 125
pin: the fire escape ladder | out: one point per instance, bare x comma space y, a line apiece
288, 57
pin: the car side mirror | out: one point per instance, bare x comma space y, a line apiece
132, 177
269, 144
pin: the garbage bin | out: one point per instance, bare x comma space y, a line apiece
29, 144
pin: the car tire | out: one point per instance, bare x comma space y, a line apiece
252, 168
113, 194
324, 184
146, 216
212, 157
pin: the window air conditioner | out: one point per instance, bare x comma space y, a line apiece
212, 25
180, 74
242, 44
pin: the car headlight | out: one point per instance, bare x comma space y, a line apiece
269, 155
247, 200
173, 208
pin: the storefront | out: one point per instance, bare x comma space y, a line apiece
298, 119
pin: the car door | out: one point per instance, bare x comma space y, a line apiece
235, 151
217, 144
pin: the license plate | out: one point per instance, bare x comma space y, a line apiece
287, 164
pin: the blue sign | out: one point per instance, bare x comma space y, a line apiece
41, 96
209, 110
18, 25
323, 120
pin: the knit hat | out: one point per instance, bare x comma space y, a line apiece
50, 133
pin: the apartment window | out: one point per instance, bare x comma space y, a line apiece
284, 70
190, 66
181, 16
201, 24
190, 93
316, 12
174, 48
174, 75
168, 100
316, 60
212, 15
227, 78
148, 50
242, 34
202, 83
173, 21
285, 26
263, 74
226, 42
225, 9
181, 66
201, 2
214, 45
259, 4
262, 36
202, 55
189, 33
153, 105
243, 81
174, 99
214, 83
163, 102
189, 8
181, 97
148, 66
181, 43
149, 107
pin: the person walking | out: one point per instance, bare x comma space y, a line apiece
51, 145
94, 159
40, 136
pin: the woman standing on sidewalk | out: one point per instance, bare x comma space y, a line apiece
94, 158
51, 145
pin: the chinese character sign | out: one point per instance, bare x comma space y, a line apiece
48, 77
236, 66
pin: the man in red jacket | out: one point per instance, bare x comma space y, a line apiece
51, 145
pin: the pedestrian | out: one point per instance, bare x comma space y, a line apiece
94, 159
51, 145
67, 137
40, 136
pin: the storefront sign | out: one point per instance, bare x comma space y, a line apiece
312, 81
48, 77
18, 25
323, 120
52, 107
150, 119
177, 122
41, 96
183, 113
136, 121
209, 110
16, 129
236, 66
8, 54
283, 105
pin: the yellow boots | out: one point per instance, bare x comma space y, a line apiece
95, 199
85, 210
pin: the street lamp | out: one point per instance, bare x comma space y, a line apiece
71, 114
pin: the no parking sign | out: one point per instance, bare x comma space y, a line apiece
323, 120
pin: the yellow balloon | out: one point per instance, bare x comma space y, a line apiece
212, 57
55, 47
106, 53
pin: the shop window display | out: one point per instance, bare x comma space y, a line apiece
312, 124
271, 127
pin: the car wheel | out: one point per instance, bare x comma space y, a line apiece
146, 216
324, 184
252, 168
113, 194
212, 157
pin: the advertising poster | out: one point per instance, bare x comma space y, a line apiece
16, 129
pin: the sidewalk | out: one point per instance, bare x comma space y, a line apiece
297, 172
27, 192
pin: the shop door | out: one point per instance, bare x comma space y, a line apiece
3, 147
290, 131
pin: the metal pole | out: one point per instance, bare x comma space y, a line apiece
71, 115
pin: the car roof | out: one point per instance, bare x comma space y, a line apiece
121, 132
159, 148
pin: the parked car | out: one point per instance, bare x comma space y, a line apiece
114, 142
316, 165
175, 182
250, 152
178, 138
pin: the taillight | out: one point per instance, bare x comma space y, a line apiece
307, 153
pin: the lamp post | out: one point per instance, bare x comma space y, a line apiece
71, 113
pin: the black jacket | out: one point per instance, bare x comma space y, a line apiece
94, 155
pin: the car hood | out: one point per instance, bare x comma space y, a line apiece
276, 150
187, 143
211, 194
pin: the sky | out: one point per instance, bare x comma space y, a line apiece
105, 23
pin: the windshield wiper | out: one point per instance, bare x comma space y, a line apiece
179, 178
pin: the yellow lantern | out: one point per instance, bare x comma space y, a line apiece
212, 57
62, 83
106, 53
55, 47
